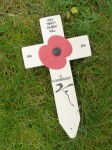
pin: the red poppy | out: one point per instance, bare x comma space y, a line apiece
54, 54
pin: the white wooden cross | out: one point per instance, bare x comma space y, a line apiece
62, 80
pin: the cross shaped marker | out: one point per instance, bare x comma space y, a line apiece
61, 78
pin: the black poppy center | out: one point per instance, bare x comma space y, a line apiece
56, 51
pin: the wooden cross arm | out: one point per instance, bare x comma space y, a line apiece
80, 45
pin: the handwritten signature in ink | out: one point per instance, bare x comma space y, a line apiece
61, 88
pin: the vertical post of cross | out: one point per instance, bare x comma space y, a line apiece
66, 101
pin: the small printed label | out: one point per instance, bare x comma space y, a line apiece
51, 25
29, 56
61, 79
83, 45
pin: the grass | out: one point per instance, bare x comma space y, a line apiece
28, 119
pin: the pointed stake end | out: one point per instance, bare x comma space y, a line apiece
71, 129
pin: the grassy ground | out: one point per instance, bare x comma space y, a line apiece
28, 119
